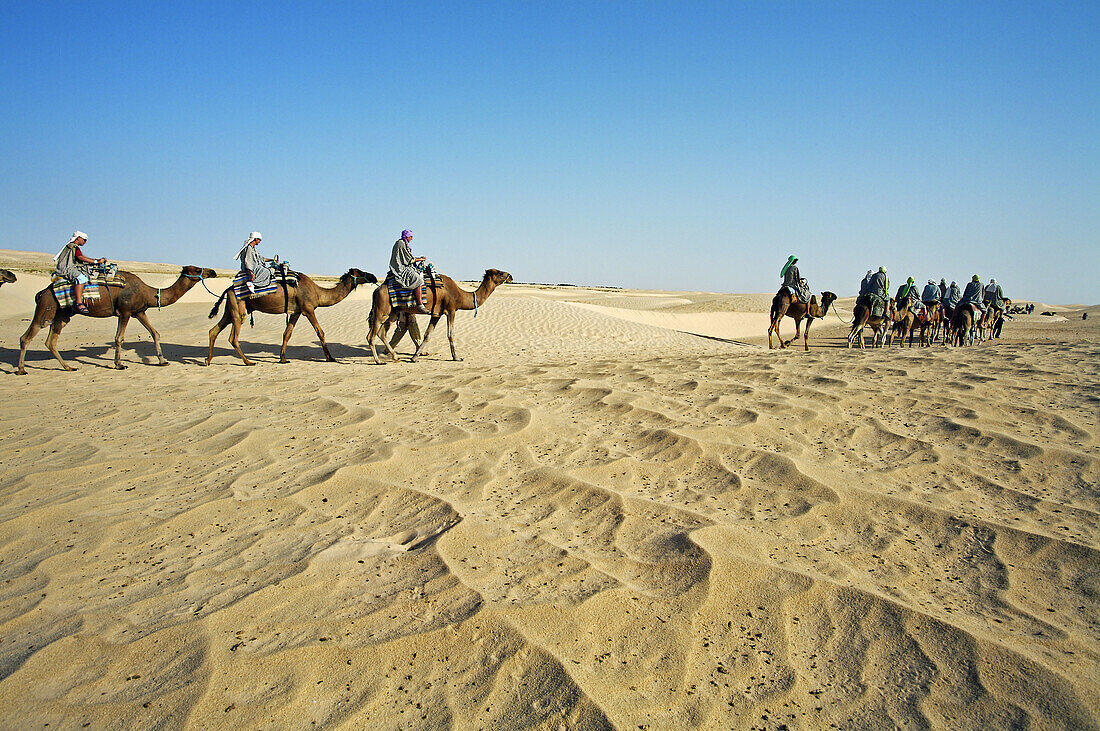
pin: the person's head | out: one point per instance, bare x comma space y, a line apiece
976, 278
992, 281
79, 238
407, 235
882, 269
909, 280
254, 238
932, 282
942, 281
869, 271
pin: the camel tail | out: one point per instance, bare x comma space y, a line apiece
218, 304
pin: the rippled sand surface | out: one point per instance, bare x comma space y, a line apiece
593, 521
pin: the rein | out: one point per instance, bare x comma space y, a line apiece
202, 281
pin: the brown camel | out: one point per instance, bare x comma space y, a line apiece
965, 326
862, 317
445, 299
782, 305
131, 300
904, 321
295, 300
6, 277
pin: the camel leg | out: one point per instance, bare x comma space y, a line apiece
797, 332
451, 334
427, 334
773, 327
120, 334
286, 336
374, 332
806, 334
235, 337
24, 341
143, 318
51, 341
312, 317
226, 318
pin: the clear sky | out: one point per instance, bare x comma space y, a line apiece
673, 145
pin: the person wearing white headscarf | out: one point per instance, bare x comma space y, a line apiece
995, 295
254, 265
69, 261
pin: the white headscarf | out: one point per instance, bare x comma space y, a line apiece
76, 235
251, 237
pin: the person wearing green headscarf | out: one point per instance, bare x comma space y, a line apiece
908, 292
793, 281
973, 294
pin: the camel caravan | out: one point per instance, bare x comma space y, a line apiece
940, 312
94, 288
81, 285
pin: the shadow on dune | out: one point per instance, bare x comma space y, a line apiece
142, 353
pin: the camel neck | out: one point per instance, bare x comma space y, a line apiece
170, 294
332, 295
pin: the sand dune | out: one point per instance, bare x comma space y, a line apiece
598, 519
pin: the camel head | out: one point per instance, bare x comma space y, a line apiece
198, 273
497, 277
827, 298
6, 277
355, 277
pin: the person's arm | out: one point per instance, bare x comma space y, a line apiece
87, 260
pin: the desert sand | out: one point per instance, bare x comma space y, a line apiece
618, 511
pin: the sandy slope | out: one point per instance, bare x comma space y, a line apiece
598, 519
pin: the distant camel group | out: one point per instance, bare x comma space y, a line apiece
896, 320
134, 298
958, 326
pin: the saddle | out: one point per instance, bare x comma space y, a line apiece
795, 296
278, 276
65, 291
400, 297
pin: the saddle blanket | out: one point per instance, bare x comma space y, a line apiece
240, 284
405, 297
65, 292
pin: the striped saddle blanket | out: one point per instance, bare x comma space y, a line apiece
407, 297
241, 290
65, 292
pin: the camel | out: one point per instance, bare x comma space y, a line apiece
286, 299
862, 317
965, 326
6, 277
929, 323
444, 299
903, 321
131, 300
782, 305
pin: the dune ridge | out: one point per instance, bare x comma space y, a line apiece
596, 520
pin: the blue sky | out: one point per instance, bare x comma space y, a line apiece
671, 145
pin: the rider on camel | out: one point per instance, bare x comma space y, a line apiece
794, 282
69, 260
253, 264
973, 294
404, 269
908, 292
931, 294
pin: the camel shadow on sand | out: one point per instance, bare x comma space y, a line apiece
140, 354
